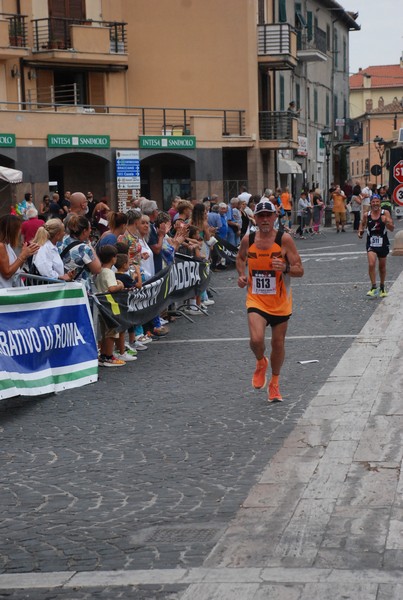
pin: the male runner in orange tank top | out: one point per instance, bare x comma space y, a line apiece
272, 258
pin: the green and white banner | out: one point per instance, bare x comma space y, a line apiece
47, 341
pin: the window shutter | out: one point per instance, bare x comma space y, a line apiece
309, 25
282, 11
282, 100
96, 89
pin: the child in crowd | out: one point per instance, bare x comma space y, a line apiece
193, 244
130, 276
106, 283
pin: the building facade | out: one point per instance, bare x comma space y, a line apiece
194, 93
376, 102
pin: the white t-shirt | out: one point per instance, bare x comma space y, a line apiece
366, 194
48, 262
147, 264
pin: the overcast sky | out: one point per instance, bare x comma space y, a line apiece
380, 41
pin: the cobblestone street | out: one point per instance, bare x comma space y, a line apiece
145, 469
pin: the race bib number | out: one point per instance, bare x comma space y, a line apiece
263, 282
376, 241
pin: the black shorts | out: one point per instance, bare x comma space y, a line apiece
380, 252
271, 320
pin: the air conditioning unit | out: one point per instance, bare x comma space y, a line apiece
400, 138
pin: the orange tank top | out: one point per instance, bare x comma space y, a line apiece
268, 290
286, 200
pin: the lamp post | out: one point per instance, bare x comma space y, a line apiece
380, 148
326, 135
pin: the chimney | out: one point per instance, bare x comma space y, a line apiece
367, 80
368, 105
401, 61
381, 103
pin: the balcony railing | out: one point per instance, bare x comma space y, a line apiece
17, 29
55, 96
54, 33
152, 121
351, 131
274, 39
275, 125
318, 41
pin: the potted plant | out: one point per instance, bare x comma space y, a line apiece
16, 33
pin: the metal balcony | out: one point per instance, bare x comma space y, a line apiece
56, 34
277, 45
278, 129
312, 50
151, 121
13, 36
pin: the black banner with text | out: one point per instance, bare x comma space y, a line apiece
185, 279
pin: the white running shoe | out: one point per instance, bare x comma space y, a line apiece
139, 347
126, 357
143, 339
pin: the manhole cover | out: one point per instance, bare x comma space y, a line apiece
172, 535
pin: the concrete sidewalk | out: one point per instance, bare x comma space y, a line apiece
325, 519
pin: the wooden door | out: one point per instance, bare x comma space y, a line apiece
59, 10
68, 9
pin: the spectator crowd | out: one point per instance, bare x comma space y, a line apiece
78, 238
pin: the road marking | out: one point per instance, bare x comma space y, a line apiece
295, 284
197, 575
332, 254
330, 247
246, 339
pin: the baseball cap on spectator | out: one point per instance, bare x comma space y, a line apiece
264, 206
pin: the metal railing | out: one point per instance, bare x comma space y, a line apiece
274, 39
232, 188
275, 125
54, 95
175, 121
318, 41
54, 33
351, 131
152, 121
17, 29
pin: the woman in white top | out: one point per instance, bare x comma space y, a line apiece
10, 264
147, 259
48, 260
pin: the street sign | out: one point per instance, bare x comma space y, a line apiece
398, 194
398, 171
376, 170
127, 177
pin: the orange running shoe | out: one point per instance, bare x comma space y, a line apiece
274, 393
259, 376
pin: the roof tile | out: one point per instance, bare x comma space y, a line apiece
381, 76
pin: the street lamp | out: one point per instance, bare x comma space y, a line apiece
380, 148
327, 139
